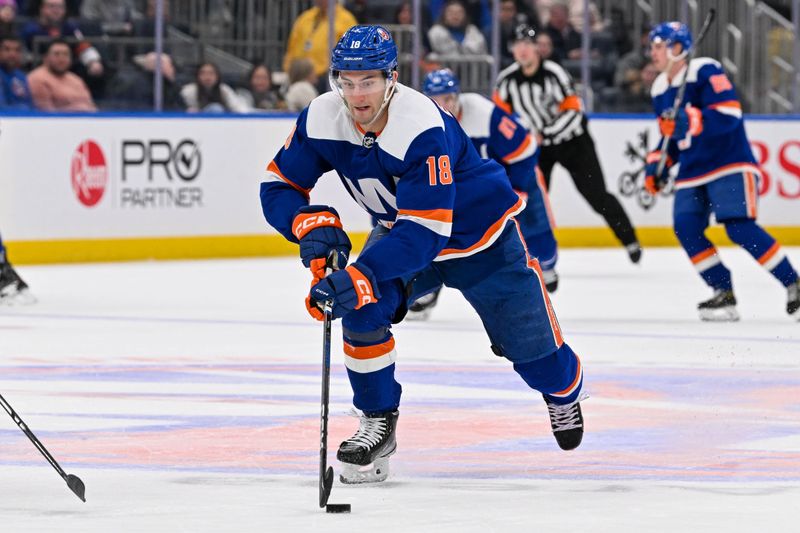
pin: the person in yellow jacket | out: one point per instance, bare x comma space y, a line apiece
309, 36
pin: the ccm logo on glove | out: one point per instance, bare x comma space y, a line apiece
305, 222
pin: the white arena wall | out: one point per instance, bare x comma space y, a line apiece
111, 187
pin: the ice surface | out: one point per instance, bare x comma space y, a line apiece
186, 396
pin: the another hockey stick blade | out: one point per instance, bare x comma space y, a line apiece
325, 486
76, 485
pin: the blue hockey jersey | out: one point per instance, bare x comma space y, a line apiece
499, 136
420, 176
721, 148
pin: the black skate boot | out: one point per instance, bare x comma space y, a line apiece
720, 308
365, 455
12, 288
567, 423
793, 300
422, 306
550, 280
634, 250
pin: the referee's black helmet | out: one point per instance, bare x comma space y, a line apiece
523, 32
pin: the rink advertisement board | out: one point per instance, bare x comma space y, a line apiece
128, 187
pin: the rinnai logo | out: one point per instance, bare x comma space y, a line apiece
89, 173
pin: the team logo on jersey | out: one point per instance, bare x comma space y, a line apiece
384, 34
368, 140
89, 173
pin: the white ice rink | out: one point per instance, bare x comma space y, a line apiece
186, 396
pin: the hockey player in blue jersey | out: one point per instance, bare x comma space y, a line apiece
12, 289
717, 172
410, 165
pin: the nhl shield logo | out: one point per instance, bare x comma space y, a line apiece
369, 140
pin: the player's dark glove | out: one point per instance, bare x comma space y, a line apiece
653, 183
319, 231
348, 289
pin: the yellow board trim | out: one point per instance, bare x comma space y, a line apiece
211, 247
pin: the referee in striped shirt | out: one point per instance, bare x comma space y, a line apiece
543, 95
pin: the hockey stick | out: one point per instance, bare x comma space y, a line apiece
662, 161
325, 471
73, 482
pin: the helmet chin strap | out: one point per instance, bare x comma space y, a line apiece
387, 95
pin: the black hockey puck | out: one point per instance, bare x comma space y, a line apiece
337, 508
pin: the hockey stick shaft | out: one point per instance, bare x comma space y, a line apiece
73, 482
662, 161
325, 472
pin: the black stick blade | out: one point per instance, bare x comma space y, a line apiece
325, 486
76, 485
337, 508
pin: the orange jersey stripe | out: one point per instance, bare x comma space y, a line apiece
489, 233
575, 381
705, 254
750, 194
769, 253
521, 148
502, 104
369, 352
570, 103
272, 167
727, 103
439, 215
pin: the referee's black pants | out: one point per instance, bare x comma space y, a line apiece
579, 157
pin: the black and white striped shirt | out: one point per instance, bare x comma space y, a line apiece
546, 102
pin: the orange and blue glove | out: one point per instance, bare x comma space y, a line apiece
688, 121
653, 183
320, 234
346, 290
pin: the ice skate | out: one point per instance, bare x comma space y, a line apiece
365, 455
793, 298
550, 280
567, 423
421, 308
634, 250
13, 290
720, 308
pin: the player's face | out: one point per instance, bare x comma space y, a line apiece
448, 101
658, 54
364, 92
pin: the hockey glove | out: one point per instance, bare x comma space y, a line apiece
688, 122
320, 234
653, 183
348, 289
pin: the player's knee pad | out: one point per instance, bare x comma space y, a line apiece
557, 373
379, 314
690, 229
742, 231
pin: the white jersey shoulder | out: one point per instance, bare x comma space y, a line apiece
661, 83
329, 120
410, 114
476, 114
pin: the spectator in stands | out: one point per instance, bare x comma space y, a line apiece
576, 8
478, 12
8, 12
30, 8
54, 87
566, 41
132, 87
309, 38
544, 45
258, 93
14, 90
116, 17
634, 60
52, 23
302, 81
453, 35
208, 94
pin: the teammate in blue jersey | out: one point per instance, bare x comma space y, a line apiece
717, 172
410, 165
12, 289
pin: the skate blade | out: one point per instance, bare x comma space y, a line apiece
723, 314
357, 474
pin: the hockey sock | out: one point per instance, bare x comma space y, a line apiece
543, 247
763, 247
690, 229
369, 358
559, 376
